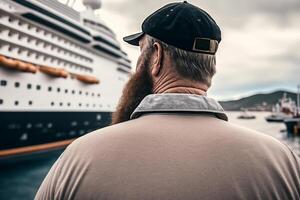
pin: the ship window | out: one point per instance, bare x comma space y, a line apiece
73, 91
1, 101
38, 87
66, 91
30, 102
87, 93
58, 89
29, 126
80, 92
94, 105
87, 105
52, 103
49, 88
69, 104
93, 94
60, 103
3, 82
80, 104
28, 86
20, 37
98, 95
16, 103
49, 125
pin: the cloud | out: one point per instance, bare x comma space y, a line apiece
260, 46
228, 13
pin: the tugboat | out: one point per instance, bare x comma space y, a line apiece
284, 109
61, 74
293, 124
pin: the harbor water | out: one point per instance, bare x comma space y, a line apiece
21, 178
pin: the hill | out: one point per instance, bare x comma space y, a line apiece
257, 102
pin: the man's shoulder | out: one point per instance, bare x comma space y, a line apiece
258, 139
103, 137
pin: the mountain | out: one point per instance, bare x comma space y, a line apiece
257, 102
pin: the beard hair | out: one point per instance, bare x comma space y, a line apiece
139, 86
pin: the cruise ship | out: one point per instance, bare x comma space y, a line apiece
61, 74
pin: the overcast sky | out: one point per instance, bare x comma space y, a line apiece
260, 49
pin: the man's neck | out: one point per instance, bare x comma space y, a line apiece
173, 84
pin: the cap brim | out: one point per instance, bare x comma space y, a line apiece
134, 38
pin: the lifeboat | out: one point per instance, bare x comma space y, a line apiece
31, 68
57, 72
87, 79
17, 65
26, 67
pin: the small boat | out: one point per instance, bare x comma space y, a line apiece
17, 65
277, 117
56, 72
87, 79
246, 115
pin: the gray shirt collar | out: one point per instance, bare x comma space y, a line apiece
176, 102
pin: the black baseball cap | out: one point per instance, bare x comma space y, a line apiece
181, 25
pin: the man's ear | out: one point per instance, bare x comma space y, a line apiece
157, 59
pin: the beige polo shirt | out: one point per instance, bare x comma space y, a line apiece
176, 146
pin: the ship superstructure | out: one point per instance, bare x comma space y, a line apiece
285, 108
61, 72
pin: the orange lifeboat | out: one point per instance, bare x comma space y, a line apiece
58, 72
31, 68
9, 63
17, 65
26, 67
87, 79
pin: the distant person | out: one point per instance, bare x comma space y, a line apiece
169, 140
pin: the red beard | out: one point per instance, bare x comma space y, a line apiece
138, 86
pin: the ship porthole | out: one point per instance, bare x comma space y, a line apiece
49, 125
